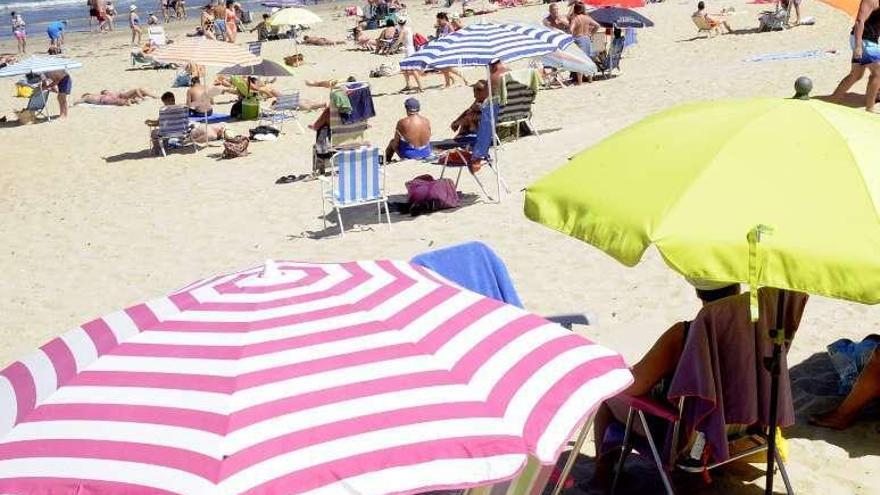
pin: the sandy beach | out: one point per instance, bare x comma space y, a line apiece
92, 222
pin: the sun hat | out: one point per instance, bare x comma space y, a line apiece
412, 105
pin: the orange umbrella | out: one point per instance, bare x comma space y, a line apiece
851, 7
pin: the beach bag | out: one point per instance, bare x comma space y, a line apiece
429, 194
235, 147
23, 91
182, 80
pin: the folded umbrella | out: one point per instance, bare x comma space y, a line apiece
372, 377
611, 17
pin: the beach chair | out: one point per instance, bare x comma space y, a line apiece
220, 30
357, 178
517, 100
341, 135
704, 26
37, 103
479, 148
173, 124
679, 409
156, 35
285, 108
776, 20
256, 48
609, 60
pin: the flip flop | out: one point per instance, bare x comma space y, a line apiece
287, 179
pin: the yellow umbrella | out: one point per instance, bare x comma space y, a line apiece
773, 192
293, 16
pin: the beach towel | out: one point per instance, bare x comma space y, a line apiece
768, 57
721, 370
525, 77
212, 119
474, 266
360, 106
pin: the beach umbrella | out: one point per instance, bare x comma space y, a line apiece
280, 4
723, 196
572, 59
294, 16
371, 377
481, 44
631, 4
202, 51
620, 18
850, 7
266, 68
37, 64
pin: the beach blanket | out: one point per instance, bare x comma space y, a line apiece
212, 119
767, 57
474, 266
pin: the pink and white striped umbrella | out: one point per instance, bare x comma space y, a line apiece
299, 378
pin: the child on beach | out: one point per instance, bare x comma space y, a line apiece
18, 31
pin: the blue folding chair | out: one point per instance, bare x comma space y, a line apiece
284, 109
480, 149
256, 48
173, 124
357, 178
37, 103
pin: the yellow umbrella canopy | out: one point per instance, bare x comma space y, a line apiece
293, 16
696, 180
203, 51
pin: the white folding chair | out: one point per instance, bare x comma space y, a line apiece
357, 178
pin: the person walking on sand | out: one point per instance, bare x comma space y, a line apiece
405, 38
134, 23
19, 32
866, 54
231, 21
111, 16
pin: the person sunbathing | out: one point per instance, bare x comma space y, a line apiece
713, 21
865, 390
386, 37
362, 40
320, 41
412, 135
115, 98
469, 121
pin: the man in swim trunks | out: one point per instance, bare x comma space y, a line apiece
55, 30
864, 40
60, 82
412, 136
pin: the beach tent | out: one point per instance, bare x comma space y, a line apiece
482, 43
713, 187
37, 64
372, 377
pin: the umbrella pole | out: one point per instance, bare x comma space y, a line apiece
494, 135
772, 364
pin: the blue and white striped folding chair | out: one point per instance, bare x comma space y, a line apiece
37, 103
173, 124
285, 108
256, 48
357, 178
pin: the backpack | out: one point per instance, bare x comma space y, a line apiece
429, 194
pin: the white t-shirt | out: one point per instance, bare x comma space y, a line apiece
409, 46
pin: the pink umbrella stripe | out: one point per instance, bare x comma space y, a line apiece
368, 377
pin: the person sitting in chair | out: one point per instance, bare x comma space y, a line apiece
711, 20
469, 121
412, 136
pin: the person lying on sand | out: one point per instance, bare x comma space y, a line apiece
412, 135
320, 41
115, 98
864, 391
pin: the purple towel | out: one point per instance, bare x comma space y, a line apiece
721, 368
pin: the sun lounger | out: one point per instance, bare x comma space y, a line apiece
357, 178
173, 125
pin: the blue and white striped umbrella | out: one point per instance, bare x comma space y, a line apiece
39, 65
480, 44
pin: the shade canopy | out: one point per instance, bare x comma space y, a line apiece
266, 68
202, 51
373, 377
480, 44
695, 180
294, 16
620, 18
36, 64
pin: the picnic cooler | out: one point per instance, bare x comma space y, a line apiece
250, 108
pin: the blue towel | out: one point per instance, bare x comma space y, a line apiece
212, 119
361, 106
475, 267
